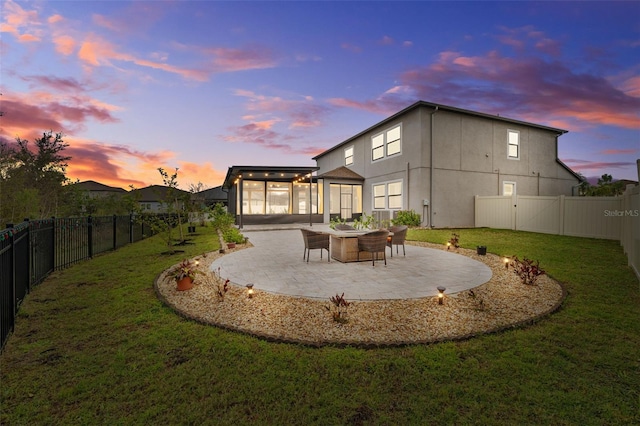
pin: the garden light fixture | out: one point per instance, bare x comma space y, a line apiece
250, 290
441, 295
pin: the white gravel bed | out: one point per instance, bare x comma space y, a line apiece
502, 302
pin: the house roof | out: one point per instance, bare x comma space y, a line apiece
342, 173
213, 194
155, 193
437, 107
92, 185
271, 173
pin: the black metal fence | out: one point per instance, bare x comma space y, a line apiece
31, 250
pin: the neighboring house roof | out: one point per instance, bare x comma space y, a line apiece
154, 193
214, 194
435, 106
341, 173
92, 185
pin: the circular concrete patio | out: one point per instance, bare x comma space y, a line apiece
275, 264
388, 306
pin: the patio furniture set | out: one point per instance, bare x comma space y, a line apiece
347, 244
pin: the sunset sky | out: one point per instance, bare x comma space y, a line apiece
204, 85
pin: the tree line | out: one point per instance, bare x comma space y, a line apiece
34, 185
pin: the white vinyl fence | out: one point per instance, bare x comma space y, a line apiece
615, 218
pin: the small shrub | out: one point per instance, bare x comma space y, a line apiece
339, 308
407, 217
527, 270
454, 241
222, 288
233, 235
364, 222
477, 299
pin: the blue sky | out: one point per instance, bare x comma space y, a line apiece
203, 85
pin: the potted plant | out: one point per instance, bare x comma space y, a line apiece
184, 274
233, 236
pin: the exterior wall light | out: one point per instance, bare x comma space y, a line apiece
441, 295
249, 291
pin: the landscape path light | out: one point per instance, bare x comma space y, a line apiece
250, 290
441, 295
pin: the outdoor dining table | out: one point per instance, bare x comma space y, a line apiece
344, 245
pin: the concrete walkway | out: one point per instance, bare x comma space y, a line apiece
275, 265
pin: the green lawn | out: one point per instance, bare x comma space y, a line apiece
93, 345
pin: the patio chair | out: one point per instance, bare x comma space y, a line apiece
315, 240
374, 242
344, 227
397, 239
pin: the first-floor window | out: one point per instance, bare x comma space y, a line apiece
395, 195
387, 195
278, 197
271, 197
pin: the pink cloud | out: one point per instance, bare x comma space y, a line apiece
65, 44
523, 37
56, 84
584, 165
27, 115
305, 112
374, 106
519, 87
114, 165
96, 51
269, 139
249, 58
22, 24
386, 41
619, 151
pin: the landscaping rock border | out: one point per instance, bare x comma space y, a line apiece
501, 303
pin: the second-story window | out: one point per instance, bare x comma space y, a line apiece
348, 156
386, 144
513, 148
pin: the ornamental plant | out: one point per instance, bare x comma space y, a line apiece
339, 308
454, 241
527, 270
186, 268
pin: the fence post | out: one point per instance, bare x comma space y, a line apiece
54, 237
29, 253
90, 235
561, 224
130, 228
14, 304
114, 225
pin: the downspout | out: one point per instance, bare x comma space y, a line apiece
408, 188
239, 190
431, 169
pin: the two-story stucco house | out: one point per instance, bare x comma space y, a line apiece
429, 158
